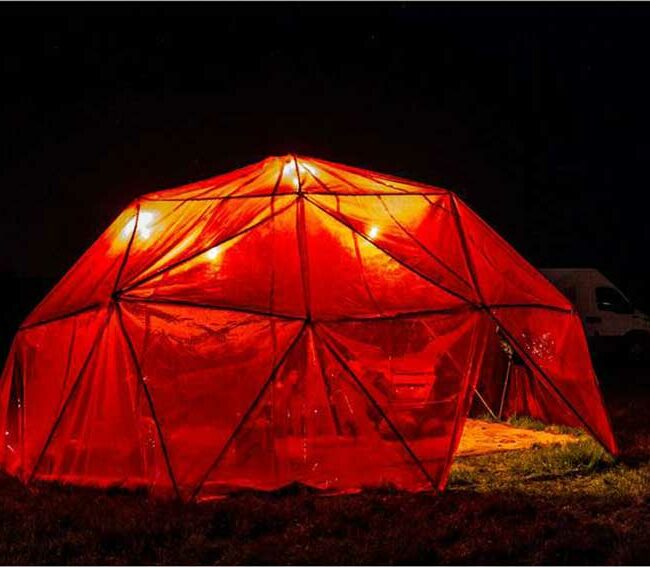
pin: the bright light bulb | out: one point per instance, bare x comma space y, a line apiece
145, 219
291, 173
128, 229
373, 232
212, 253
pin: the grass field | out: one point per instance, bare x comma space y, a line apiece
557, 505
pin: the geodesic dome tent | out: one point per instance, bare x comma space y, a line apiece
292, 321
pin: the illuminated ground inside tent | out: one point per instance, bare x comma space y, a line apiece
484, 437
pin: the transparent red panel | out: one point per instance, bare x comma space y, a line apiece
92, 279
259, 270
509, 388
262, 184
528, 395
171, 232
350, 277
492, 376
280, 179
421, 371
274, 175
314, 426
164, 230
363, 181
107, 435
318, 179
11, 396
420, 231
51, 358
555, 342
203, 369
218, 186
503, 275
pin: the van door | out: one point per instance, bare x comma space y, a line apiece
614, 310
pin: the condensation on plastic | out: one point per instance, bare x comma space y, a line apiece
294, 321
511, 389
555, 345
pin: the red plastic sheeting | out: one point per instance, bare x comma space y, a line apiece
292, 321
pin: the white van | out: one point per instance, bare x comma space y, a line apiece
612, 324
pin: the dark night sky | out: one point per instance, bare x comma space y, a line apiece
537, 115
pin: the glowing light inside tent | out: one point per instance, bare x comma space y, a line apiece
128, 228
212, 253
145, 220
373, 232
290, 174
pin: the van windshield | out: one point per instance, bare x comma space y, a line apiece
610, 299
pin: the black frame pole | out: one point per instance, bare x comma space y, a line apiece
152, 408
378, 407
73, 390
247, 414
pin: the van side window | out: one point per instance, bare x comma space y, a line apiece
609, 299
570, 293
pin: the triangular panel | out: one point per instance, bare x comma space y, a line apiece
107, 435
419, 371
319, 180
314, 426
351, 277
361, 181
91, 280
420, 231
259, 270
270, 182
503, 276
203, 368
170, 233
528, 395
51, 358
215, 187
556, 345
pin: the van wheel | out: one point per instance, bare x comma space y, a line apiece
637, 348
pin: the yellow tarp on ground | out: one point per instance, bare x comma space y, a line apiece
484, 437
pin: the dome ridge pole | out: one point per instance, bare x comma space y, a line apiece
301, 233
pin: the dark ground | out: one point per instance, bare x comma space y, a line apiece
544, 506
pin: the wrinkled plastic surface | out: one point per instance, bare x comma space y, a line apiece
292, 321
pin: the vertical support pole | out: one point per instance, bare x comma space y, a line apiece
505, 387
